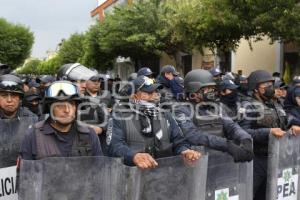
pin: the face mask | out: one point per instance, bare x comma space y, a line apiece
269, 92
210, 96
230, 99
243, 87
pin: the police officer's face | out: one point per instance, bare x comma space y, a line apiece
63, 112
278, 93
145, 96
9, 102
226, 92
82, 86
263, 87
199, 96
93, 86
298, 100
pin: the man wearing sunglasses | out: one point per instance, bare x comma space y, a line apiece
262, 116
140, 132
60, 135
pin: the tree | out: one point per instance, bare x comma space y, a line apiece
222, 23
16, 43
136, 31
71, 50
30, 67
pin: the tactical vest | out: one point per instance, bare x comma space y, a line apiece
211, 124
47, 146
139, 143
273, 118
268, 118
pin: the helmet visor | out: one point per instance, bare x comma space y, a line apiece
10, 86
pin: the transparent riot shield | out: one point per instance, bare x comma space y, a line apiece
107, 178
12, 132
172, 179
283, 168
79, 178
227, 179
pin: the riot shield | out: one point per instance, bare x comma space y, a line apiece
283, 168
172, 179
79, 178
107, 178
12, 132
227, 179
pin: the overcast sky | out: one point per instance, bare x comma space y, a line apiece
50, 20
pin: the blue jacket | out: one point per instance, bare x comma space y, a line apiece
118, 147
196, 136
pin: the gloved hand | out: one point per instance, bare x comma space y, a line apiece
247, 145
239, 153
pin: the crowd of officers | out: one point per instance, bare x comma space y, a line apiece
83, 113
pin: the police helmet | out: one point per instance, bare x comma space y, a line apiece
257, 77
197, 79
11, 83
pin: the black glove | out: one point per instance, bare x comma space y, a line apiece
247, 145
239, 153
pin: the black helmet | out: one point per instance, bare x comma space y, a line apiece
61, 91
11, 83
74, 72
257, 77
197, 79
4, 69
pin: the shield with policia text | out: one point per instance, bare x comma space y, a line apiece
106, 178
12, 132
227, 180
284, 168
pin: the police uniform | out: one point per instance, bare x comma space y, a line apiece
257, 119
125, 137
42, 141
142, 127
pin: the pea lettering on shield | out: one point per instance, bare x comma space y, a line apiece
287, 185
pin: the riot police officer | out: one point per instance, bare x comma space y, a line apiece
92, 110
14, 119
203, 124
262, 116
60, 134
140, 132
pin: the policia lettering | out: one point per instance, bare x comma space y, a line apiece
8, 186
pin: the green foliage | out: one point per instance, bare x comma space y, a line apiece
148, 28
15, 43
71, 50
30, 67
